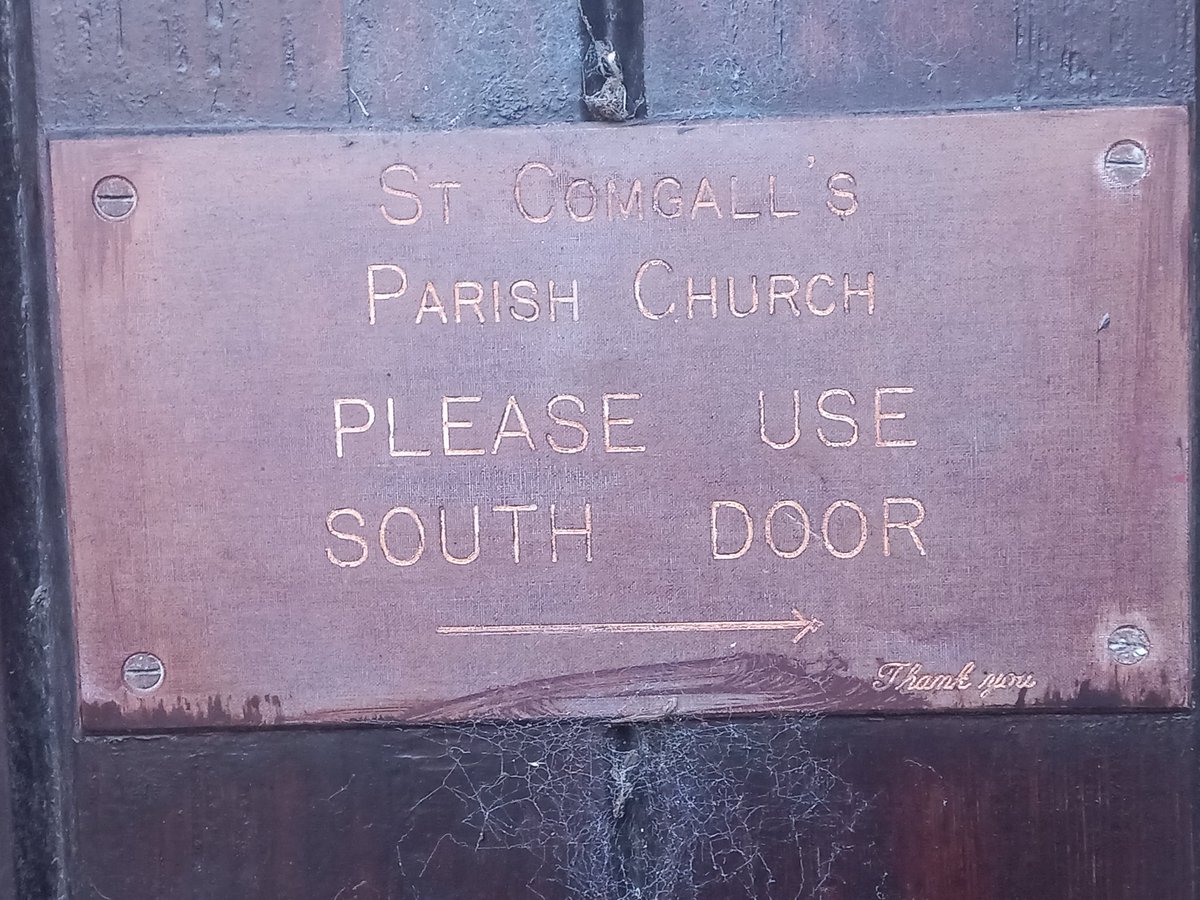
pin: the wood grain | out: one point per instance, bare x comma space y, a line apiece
106, 64
36, 676
706, 59
990, 808
117, 64
447, 64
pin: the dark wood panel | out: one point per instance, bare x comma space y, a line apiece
36, 674
474, 813
734, 58
8, 856
1085, 808
440, 65
938, 808
449, 64
104, 64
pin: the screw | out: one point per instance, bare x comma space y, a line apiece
1126, 163
143, 672
1129, 645
114, 198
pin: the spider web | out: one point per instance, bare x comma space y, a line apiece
652, 811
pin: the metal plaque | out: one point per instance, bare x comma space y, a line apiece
832, 414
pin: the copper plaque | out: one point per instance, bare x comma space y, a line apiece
857, 414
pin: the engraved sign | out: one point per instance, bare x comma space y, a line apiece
831, 414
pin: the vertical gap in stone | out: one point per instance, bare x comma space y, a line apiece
626, 850
614, 84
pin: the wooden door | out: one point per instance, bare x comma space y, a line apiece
1083, 800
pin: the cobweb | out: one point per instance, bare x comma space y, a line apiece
638, 812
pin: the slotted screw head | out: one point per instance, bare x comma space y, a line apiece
114, 198
1126, 163
1128, 645
143, 673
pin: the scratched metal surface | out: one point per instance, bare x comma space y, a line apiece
204, 340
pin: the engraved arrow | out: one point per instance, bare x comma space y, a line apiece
806, 625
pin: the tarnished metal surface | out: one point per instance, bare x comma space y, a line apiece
932, 452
